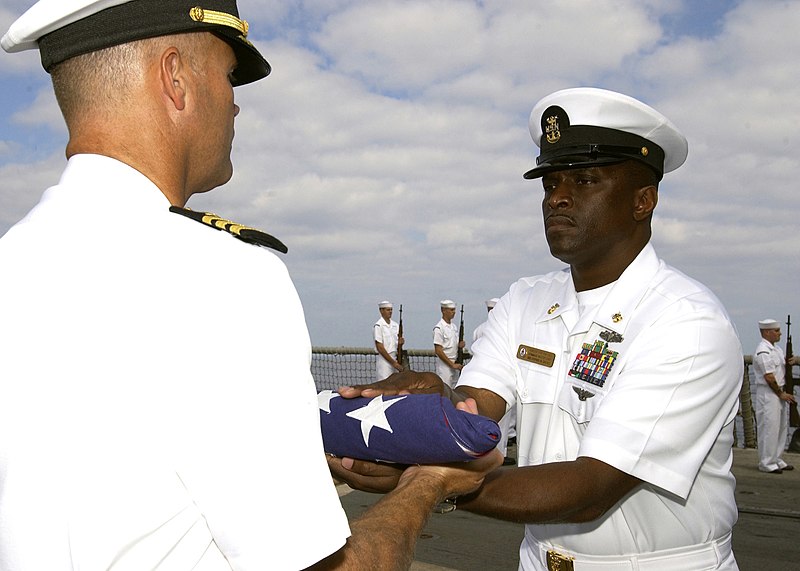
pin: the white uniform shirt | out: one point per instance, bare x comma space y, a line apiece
508, 421
446, 335
387, 334
663, 412
153, 369
478, 331
769, 358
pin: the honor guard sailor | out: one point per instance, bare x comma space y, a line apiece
772, 411
386, 335
624, 372
141, 350
446, 343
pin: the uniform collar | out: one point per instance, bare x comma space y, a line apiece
768, 343
618, 307
615, 311
104, 180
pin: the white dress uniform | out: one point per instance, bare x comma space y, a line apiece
508, 423
772, 414
446, 335
386, 333
152, 369
642, 374
478, 331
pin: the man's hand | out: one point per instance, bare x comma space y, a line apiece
460, 477
375, 477
403, 383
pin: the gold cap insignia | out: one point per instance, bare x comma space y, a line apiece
552, 130
198, 14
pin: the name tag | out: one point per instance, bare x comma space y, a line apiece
534, 355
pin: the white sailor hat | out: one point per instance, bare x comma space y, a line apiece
585, 126
385, 304
490, 303
768, 324
447, 304
62, 29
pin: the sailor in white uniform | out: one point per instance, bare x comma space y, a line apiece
446, 344
386, 334
154, 359
772, 410
624, 372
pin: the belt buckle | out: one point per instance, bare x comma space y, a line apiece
559, 562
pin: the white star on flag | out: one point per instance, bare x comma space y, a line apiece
374, 414
324, 400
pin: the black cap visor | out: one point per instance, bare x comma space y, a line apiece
574, 160
589, 146
250, 64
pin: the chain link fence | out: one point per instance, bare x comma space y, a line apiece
333, 367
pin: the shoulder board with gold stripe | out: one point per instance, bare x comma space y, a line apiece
244, 233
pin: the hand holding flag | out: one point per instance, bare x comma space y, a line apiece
406, 429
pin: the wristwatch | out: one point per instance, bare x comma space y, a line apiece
447, 506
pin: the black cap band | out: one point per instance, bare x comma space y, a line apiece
572, 146
141, 19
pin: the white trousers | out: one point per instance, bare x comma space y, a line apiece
448, 375
771, 418
716, 555
383, 368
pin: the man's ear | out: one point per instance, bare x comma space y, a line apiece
645, 200
173, 74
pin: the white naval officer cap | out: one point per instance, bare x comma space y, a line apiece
62, 29
490, 303
586, 126
385, 304
447, 304
768, 324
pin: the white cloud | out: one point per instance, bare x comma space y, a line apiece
388, 145
390, 44
43, 111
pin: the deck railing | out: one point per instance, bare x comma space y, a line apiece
333, 367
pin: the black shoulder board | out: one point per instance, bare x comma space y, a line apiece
244, 233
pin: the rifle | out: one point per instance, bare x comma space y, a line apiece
460, 354
402, 354
794, 417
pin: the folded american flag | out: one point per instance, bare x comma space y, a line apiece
407, 429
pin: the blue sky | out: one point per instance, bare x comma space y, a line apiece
388, 145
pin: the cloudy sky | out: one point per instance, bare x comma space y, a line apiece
387, 147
